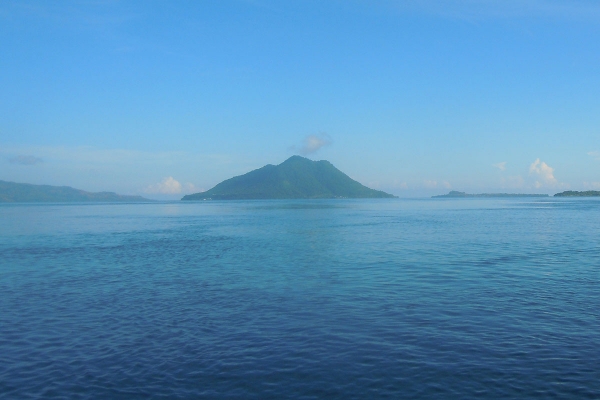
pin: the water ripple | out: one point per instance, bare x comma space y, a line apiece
340, 299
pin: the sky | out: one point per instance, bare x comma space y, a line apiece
414, 97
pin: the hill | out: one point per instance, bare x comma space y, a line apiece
455, 194
295, 178
574, 193
12, 192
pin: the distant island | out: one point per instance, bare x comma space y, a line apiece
12, 192
456, 194
568, 193
574, 193
295, 178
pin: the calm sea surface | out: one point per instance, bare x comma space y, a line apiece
334, 299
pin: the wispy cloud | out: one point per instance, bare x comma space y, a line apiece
430, 184
96, 156
595, 154
396, 184
501, 165
88, 156
543, 173
94, 14
312, 144
25, 160
591, 185
476, 10
119, 170
191, 188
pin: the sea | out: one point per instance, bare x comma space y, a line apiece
301, 299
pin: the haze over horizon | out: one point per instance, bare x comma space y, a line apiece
414, 98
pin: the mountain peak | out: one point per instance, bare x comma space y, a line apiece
295, 178
297, 158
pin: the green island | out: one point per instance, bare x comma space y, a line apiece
574, 193
455, 194
295, 178
12, 192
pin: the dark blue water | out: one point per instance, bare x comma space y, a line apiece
301, 299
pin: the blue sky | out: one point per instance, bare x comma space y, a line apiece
412, 97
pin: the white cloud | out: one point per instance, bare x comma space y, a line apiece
501, 165
171, 186
167, 186
313, 143
25, 160
544, 174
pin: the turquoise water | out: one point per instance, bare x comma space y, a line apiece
339, 299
